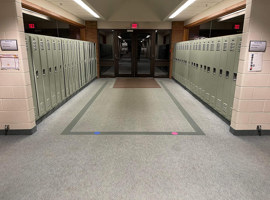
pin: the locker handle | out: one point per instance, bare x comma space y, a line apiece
55, 69
234, 76
37, 73
44, 72
50, 69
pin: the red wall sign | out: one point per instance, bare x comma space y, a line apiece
32, 26
134, 26
237, 26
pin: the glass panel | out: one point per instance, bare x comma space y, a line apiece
107, 70
143, 53
125, 53
163, 40
106, 45
162, 71
106, 52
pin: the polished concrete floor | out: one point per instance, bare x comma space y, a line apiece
54, 164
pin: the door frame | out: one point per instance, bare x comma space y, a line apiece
134, 50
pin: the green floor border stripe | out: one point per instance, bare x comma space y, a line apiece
83, 111
185, 113
68, 129
131, 133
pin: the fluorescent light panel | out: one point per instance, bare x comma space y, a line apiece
86, 7
232, 15
35, 14
183, 7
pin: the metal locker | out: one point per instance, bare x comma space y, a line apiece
32, 77
222, 74
61, 67
91, 60
234, 70
86, 61
77, 66
38, 75
65, 48
51, 73
82, 67
45, 72
70, 67
56, 70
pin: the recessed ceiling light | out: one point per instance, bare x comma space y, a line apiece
183, 7
87, 8
232, 15
35, 14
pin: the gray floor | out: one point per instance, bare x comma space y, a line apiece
217, 165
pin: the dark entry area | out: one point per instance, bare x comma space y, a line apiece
134, 53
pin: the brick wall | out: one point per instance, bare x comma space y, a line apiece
252, 95
16, 104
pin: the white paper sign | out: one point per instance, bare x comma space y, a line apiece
257, 46
255, 62
9, 45
9, 61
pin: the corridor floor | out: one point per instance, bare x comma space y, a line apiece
134, 155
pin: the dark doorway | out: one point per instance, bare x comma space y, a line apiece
134, 53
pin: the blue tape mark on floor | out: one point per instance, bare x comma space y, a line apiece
96, 133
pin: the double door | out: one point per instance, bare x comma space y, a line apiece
134, 54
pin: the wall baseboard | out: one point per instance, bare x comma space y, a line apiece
19, 132
33, 130
249, 132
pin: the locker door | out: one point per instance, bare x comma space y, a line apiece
95, 60
77, 69
32, 77
216, 69
45, 72
234, 71
60, 54
222, 74
91, 51
70, 68
38, 75
86, 62
56, 70
50, 65
66, 66
82, 63
228, 81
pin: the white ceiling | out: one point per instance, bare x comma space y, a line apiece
135, 10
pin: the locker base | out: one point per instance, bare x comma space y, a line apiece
19, 132
62, 103
204, 103
248, 132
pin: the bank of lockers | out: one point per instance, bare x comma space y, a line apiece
208, 68
58, 67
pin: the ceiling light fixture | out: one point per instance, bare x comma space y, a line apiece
35, 14
148, 36
232, 15
87, 8
119, 37
183, 7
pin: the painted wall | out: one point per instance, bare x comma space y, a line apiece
218, 7
252, 95
16, 103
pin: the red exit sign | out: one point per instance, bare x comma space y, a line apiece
32, 26
134, 26
237, 26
